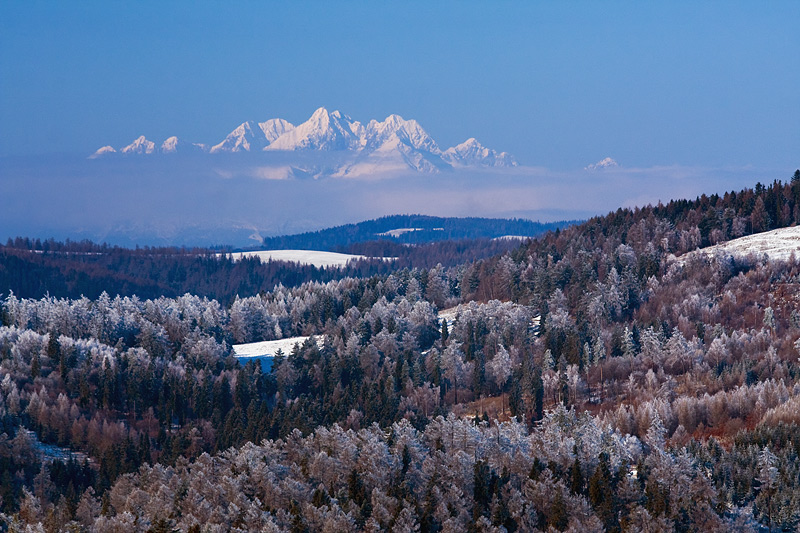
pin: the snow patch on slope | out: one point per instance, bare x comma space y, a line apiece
778, 245
267, 348
316, 258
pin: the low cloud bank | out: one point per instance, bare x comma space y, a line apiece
187, 201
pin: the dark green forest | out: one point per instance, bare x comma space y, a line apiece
426, 229
35, 268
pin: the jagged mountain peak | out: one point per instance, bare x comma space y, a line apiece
473, 153
102, 151
603, 164
140, 146
322, 131
394, 144
173, 145
170, 145
248, 136
322, 113
395, 129
274, 128
471, 142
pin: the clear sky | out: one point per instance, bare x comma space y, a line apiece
557, 84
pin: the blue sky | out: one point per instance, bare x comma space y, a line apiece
557, 84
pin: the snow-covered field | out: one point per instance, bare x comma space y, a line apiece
399, 231
778, 244
305, 257
512, 238
267, 348
449, 315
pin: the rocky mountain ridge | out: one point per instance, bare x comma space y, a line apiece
394, 144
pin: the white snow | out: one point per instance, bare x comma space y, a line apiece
473, 153
604, 163
174, 145
394, 130
305, 257
267, 348
449, 315
397, 232
274, 128
140, 146
323, 131
247, 136
170, 145
105, 150
392, 145
512, 238
778, 244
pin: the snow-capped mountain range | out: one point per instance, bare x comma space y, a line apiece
393, 145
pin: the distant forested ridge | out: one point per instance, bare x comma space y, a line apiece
426, 229
595, 379
578, 255
34, 268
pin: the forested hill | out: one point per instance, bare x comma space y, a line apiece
33, 269
411, 229
616, 389
636, 241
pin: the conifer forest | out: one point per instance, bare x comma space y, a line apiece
604, 376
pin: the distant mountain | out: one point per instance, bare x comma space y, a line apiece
392, 145
143, 146
103, 150
140, 146
412, 229
603, 164
323, 131
252, 136
473, 153
174, 145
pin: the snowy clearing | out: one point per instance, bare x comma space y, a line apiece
449, 315
400, 231
267, 348
778, 244
316, 258
513, 238
397, 232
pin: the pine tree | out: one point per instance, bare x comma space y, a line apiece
36, 366
481, 489
576, 476
601, 493
559, 518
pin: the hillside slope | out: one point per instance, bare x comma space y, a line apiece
411, 229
